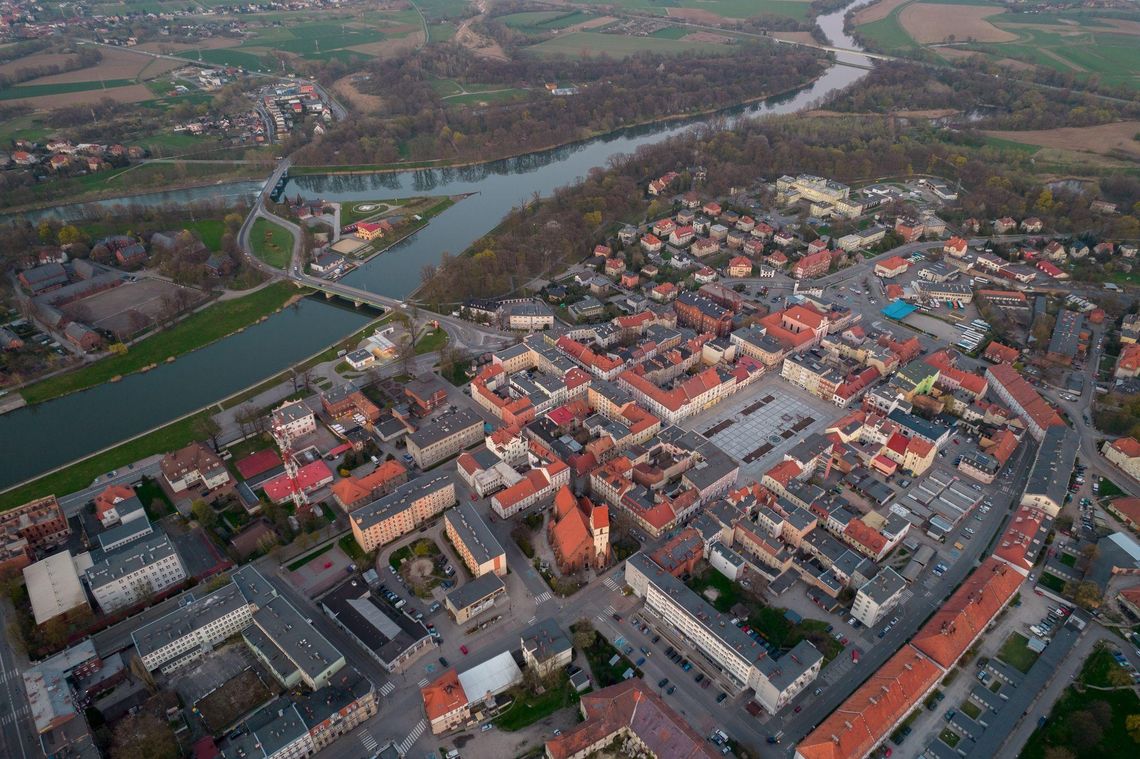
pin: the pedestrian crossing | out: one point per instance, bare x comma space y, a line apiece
532, 620
423, 682
413, 736
611, 583
387, 688
368, 742
11, 717
543, 597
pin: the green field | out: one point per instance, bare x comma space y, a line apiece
209, 231
888, 33
432, 341
594, 43
475, 98
60, 88
225, 57
199, 329
1015, 652
434, 10
272, 243
729, 9
441, 32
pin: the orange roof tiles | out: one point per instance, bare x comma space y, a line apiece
352, 489
532, 482
1129, 358
1015, 543
106, 500
443, 696
784, 472
1129, 446
1129, 507
631, 706
870, 713
964, 616
862, 533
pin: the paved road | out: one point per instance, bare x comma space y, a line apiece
18, 737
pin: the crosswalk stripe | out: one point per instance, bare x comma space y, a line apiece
543, 597
387, 688
414, 736
423, 682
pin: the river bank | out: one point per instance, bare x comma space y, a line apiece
444, 163
215, 322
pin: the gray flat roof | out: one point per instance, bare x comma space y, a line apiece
444, 427
545, 639
300, 641
399, 499
187, 618
380, 627
1054, 463
884, 586
473, 531
130, 558
475, 590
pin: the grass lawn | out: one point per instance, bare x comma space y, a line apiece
727, 592
272, 243
431, 341
599, 655
60, 88
195, 331
210, 231
949, 737
970, 709
1015, 652
458, 374
1052, 582
80, 474
1068, 724
1108, 488
529, 708
349, 545
309, 557
153, 498
1068, 560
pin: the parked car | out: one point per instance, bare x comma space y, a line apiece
463, 650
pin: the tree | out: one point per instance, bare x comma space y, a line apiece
1119, 677
1085, 729
69, 234
1087, 595
585, 636
1132, 724
207, 427
204, 513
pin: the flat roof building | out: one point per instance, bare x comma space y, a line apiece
473, 598
392, 637
474, 541
53, 585
401, 511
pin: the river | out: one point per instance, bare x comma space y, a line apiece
36, 439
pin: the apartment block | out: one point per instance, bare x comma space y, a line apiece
473, 540
444, 437
401, 511
131, 574
877, 597
30, 529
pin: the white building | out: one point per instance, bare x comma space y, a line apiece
877, 597
133, 573
294, 420
53, 585
728, 654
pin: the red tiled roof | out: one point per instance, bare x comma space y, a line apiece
309, 477
1129, 357
106, 500
964, 616
258, 463
996, 351
870, 713
352, 489
631, 706
784, 472
865, 535
1014, 544
443, 696
1129, 507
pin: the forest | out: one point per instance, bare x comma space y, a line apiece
545, 236
419, 125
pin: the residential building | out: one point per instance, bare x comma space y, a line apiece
291, 640
445, 703
345, 403
182, 636
351, 493
292, 420
735, 659
629, 713
528, 317
472, 598
1049, 478
1034, 411
444, 437
545, 647
274, 732
892, 267
474, 541
401, 511
702, 313
878, 597
1124, 452
27, 530
133, 573
192, 467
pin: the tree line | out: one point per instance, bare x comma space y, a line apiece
420, 125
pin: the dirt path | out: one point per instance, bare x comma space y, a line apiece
1105, 139
1063, 61
477, 43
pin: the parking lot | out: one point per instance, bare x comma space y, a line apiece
756, 426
